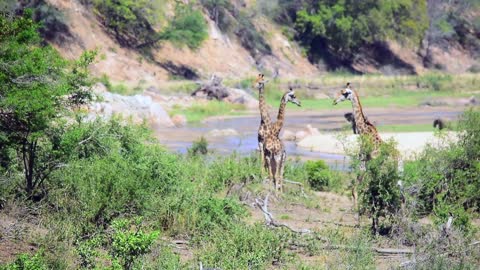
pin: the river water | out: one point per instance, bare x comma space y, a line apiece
180, 139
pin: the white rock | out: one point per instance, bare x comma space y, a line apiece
288, 135
222, 132
179, 120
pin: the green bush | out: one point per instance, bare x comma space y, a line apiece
129, 242
320, 177
131, 22
27, 262
436, 82
448, 178
187, 27
199, 147
345, 26
242, 247
378, 192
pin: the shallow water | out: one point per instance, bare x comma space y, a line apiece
180, 139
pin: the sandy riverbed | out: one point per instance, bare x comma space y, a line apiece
408, 143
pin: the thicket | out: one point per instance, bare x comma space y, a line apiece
344, 26
135, 23
39, 88
447, 178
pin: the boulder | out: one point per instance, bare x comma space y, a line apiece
214, 89
308, 131
179, 120
288, 135
222, 132
138, 108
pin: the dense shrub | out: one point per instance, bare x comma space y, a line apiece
39, 89
320, 177
131, 22
242, 247
187, 27
27, 262
199, 147
344, 26
378, 191
448, 178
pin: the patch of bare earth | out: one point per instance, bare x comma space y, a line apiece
18, 229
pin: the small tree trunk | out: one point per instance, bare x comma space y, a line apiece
28, 154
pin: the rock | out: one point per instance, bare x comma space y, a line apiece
214, 89
99, 88
179, 120
308, 131
288, 135
299, 135
138, 107
321, 96
239, 96
222, 132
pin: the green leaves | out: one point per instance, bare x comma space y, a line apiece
187, 27
38, 87
347, 25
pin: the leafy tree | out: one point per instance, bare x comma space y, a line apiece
187, 27
129, 20
38, 89
344, 26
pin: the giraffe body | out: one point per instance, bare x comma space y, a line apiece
274, 148
364, 127
265, 121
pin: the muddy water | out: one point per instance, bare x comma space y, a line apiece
180, 139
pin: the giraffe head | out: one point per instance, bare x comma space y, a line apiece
260, 81
344, 94
290, 97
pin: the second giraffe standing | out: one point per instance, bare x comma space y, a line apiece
271, 146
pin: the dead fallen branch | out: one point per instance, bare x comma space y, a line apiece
270, 221
337, 224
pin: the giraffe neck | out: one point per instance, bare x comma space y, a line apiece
264, 116
358, 114
280, 117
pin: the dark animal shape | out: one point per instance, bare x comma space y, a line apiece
350, 118
440, 123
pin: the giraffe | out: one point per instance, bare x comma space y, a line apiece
275, 154
265, 121
364, 127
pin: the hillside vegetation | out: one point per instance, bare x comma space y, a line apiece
170, 39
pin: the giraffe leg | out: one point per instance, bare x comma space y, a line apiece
278, 176
269, 161
282, 168
262, 156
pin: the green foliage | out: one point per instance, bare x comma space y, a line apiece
129, 242
87, 250
134, 23
448, 178
39, 87
131, 22
199, 147
348, 24
435, 81
27, 262
379, 195
318, 175
242, 247
187, 27
234, 170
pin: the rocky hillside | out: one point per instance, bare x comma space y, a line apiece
244, 37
